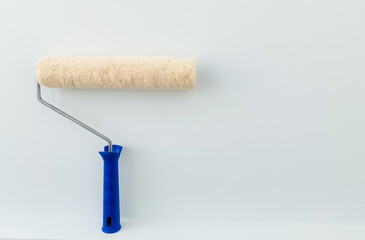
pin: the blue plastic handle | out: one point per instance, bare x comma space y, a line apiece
111, 214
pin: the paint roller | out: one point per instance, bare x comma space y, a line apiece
112, 72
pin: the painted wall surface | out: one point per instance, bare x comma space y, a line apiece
274, 131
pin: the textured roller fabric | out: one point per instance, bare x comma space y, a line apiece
117, 72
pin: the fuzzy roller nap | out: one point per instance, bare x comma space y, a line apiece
116, 72
112, 72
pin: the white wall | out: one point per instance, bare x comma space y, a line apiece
274, 130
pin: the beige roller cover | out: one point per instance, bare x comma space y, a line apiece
117, 72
